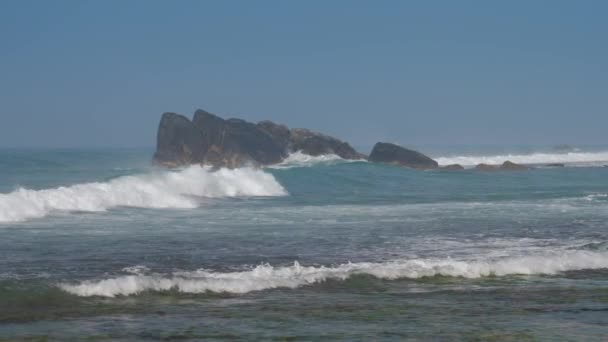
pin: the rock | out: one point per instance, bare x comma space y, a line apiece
556, 165
452, 167
486, 167
235, 142
508, 165
211, 140
316, 144
280, 134
394, 154
211, 126
178, 141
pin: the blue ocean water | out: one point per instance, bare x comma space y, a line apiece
101, 245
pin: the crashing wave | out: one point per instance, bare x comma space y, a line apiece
582, 158
299, 159
160, 189
266, 276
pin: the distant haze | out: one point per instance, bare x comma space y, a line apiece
100, 73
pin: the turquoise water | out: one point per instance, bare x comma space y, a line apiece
100, 245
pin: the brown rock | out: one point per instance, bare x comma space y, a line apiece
395, 154
508, 165
452, 167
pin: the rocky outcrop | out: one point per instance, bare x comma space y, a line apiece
452, 167
179, 142
211, 140
506, 166
316, 144
397, 155
235, 142
280, 134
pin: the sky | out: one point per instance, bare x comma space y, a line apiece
99, 73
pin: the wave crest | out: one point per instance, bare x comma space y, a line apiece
299, 159
266, 276
583, 158
160, 189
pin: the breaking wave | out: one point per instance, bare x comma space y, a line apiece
266, 276
299, 159
159, 189
583, 158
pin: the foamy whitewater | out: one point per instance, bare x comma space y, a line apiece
157, 189
268, 277
100, 245
575, 158
299, 159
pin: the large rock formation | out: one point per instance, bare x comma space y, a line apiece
211, 140
235, 142
179, 142
394, 154
316, 144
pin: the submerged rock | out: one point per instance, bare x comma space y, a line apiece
395, 154
452, 167
506, 166
509, 165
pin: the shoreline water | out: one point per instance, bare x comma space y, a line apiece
313, 248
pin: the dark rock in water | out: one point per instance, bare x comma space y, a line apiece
280, 134
178, 141
235, 142
556, 165
508, 165
395, 154
452, 167
211, 126
486, 167
211, 140
316, 144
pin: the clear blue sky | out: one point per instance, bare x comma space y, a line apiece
100, 73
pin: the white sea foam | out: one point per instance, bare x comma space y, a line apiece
158, 189
580, 158
299, 159
268, 277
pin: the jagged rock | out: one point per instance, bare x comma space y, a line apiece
452, 167
508, 165
178, 141
211, 126
316, 144
280, 134
394, 154
235, 142
211, 140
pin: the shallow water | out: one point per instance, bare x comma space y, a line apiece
99, 245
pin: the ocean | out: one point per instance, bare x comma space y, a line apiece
99, 245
